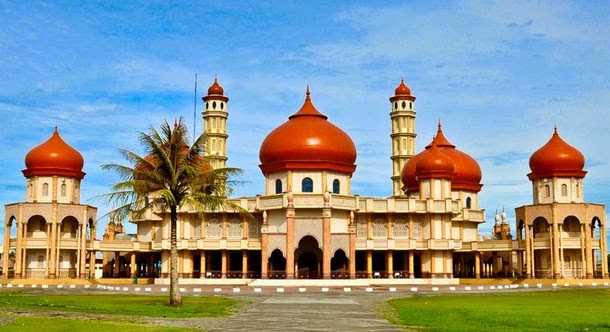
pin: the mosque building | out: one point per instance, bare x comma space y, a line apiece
309, 223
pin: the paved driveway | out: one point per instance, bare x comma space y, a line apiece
308, 312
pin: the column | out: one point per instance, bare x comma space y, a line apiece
117, 264
91, 264
264, 247
326, 243
477, 265
244, 264
7, 240
583, 271
604, 251
83, 250
369, 263
561, 260
390, 263
132, 265
528, 252
223, 271
352, 253
519, 263
290, 243
589, 253
411, 265
555, 250
202, 262
18, 251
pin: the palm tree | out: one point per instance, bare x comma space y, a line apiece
173, 174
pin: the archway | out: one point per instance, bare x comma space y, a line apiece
339, 265
277, 265
308, 258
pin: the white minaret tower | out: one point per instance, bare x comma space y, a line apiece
215, 124
403, 133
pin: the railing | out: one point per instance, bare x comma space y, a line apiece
276, 274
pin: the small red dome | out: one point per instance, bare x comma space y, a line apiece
308, 141
402, 92
54, 157
467, 175
215, 88
557, 159
215, 92
402, 89
434, 164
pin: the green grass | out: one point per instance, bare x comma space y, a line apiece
560, 310
28, 323
117, 304
22, 310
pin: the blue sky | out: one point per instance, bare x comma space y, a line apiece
499, 75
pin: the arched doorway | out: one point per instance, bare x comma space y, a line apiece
308, 258
339, 265
277, 265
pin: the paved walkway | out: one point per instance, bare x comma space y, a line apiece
307, 312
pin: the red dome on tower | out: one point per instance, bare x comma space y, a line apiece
54, 157
215, 92
434, 164
467, 171
402, 92
557, 159
308, 141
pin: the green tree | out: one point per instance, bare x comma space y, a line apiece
173, 174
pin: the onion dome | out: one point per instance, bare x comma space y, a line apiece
434, 164
54, 158
402, 92
308, 141
467, 175
215, 92
557, 159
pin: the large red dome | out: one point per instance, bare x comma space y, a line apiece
308, 141
434, 164
467, 171
557, 159
54, 158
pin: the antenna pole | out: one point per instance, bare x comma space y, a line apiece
195, 109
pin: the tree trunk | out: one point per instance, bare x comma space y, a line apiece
175, 299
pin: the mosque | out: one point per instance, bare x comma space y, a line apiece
309, 223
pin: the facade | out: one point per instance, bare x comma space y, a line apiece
309, 224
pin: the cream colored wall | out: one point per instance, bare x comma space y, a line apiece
462, 195
344, 182
338, 223
298, 176
555, 194
277, 221
470, 232
144, 231
35, 190
270, 182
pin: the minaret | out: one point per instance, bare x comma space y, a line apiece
215, 124
403, 133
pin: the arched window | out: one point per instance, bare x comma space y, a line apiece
336, 186
564, 190
63, 189
468, 202
307, 185
45, 189
547, 190
278, 186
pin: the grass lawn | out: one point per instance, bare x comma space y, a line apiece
558, 310
35, 311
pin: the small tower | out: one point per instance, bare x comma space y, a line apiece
215, 124
403, 133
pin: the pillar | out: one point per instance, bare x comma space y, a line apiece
369, 263
290, 243
390, 263
528, 252
117, 264
7, 240
352, 253
18, 251
91, 264
589, 253
555, 250
244, 263
132, 265
202, 263
411, 265
477, 265
223, 271
326, 243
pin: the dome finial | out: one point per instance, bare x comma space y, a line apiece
307, 93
